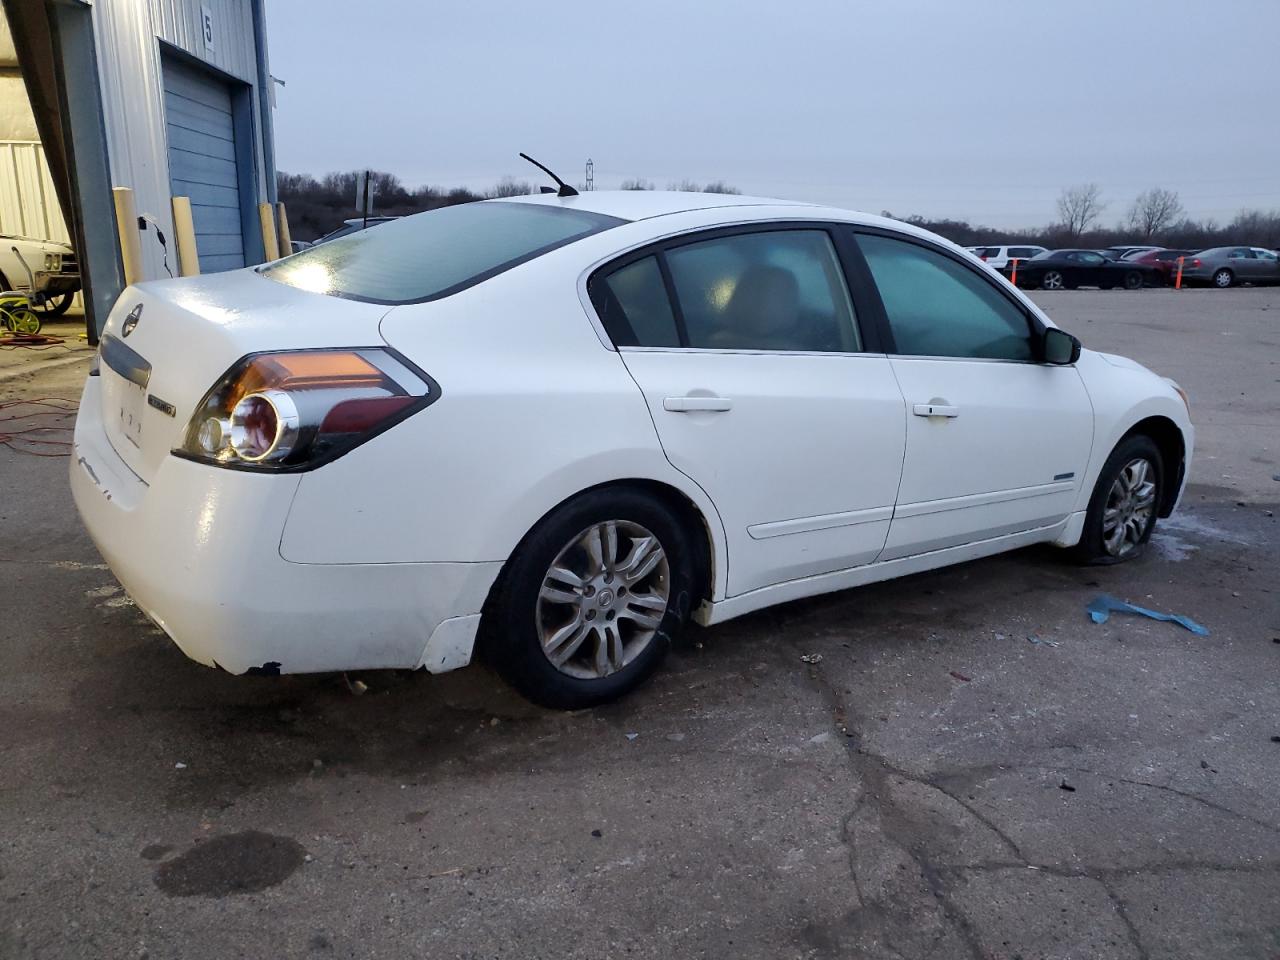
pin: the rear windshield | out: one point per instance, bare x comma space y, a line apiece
434, 254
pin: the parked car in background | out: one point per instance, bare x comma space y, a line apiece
559, 428
45, 270
352, 226
1068, 269
1119, 253
1165, 260
1228, 266
999, 257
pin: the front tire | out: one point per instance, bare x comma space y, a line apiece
1223, 278
1133, 280
1122, 510
588, 604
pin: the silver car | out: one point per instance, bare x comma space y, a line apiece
1226, 266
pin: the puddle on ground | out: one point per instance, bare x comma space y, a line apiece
230, 864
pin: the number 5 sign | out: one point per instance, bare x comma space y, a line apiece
206, 27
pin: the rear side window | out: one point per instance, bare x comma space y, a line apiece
937, 307
1023, 253
633, 306
437, 253
775, 290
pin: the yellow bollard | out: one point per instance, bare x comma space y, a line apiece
127, 226
184, 238
267, 218
282, 231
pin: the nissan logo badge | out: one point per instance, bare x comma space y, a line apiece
131, 321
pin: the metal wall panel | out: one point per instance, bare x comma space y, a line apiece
131, 36
28, 204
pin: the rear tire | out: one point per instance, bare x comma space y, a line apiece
57, 305
567, 588
1223, 278
1126, 498
1053, 280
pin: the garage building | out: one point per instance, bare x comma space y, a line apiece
169, 98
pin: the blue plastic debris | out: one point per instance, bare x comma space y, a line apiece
1102, 606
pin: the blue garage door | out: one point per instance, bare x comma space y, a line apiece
202, 162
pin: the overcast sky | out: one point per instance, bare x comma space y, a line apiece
939, 107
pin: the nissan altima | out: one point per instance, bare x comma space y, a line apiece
551, 430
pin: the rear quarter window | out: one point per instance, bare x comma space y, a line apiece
431, 255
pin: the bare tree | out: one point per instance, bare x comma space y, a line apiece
1154, 211
1080, 207
692, 186
636, 183
510, 187
719, 186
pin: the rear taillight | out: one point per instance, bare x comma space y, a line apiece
1195, 262
296, 410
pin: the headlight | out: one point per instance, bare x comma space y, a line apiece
296, 410
1186, 401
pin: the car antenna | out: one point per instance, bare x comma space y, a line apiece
564, 191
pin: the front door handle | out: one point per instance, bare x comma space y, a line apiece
935, 410
697, 404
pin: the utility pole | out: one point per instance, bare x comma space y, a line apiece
591, 177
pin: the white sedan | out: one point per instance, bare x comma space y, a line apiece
553, 429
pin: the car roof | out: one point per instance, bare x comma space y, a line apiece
643, 204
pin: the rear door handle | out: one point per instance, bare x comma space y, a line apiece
697, 404
935, 410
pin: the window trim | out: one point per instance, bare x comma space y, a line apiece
880, 316
845, 250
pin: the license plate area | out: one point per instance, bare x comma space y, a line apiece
126, 392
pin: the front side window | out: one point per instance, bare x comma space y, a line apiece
433, 254
938, 307
775, 290
1264, 254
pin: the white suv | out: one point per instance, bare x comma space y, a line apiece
999, 257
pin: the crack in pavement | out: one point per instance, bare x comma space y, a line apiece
874, 772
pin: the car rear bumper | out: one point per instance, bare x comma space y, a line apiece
198, 550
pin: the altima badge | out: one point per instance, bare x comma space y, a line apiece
164, 406
131, 321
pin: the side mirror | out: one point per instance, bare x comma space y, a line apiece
1059, 347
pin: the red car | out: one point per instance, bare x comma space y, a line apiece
1166, 261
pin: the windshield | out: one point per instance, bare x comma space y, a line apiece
437, 253
1044, 255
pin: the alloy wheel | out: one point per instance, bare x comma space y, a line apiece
1130, 508
602, 599
1053, 280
